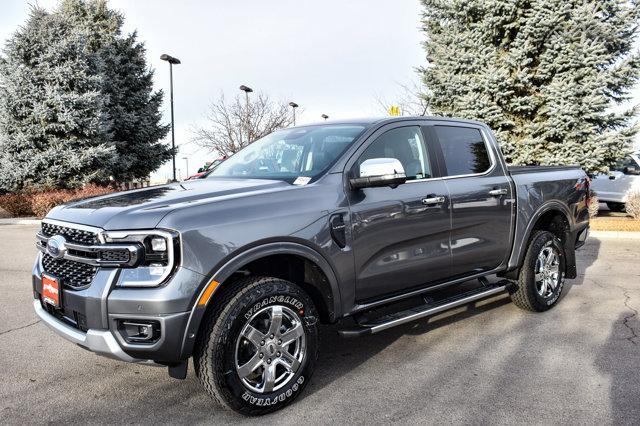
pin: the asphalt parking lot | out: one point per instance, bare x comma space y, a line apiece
489, 363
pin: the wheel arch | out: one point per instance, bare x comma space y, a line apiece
544, 219
305, 267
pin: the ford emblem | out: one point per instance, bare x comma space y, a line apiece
56, 247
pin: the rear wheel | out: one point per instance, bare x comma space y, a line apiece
259, 345
616, 207
541, 276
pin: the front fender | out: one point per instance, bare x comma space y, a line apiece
249, 255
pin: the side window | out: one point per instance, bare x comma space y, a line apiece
404, 144
463, 149
626, 165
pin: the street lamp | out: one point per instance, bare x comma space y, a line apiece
247, 90
294, 106
325, 116
172, 61
186, 159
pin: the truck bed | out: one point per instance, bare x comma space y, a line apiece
539, 188
516, 170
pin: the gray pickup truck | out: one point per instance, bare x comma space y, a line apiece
361, 223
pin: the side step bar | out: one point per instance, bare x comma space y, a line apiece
403, 317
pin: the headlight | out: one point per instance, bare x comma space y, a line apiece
159, 256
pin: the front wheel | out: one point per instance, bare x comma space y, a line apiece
259, 345
541, 276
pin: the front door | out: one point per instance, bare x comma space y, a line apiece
400, 235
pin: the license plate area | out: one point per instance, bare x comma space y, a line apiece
51, 290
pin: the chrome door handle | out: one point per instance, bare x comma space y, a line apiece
432, 201
496, 192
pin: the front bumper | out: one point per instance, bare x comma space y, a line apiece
90, 317
102, 342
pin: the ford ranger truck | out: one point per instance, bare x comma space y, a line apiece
361, 223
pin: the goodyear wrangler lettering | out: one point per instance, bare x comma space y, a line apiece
274, 299
264, 402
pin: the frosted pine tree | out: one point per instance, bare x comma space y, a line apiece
134, 108
77, 101
551, 77
54, 129
127, 84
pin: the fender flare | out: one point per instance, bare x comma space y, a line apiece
544, 208
247, 256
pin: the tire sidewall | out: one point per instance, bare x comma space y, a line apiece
543, 241
275, 292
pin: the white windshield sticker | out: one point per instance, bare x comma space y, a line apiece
302, 180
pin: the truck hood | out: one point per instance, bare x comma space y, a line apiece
144, 208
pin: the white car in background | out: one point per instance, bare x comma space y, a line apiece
614, 187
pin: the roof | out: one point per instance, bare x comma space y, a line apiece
367, 121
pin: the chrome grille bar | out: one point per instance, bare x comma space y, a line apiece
94, 252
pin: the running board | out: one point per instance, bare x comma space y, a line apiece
423, 311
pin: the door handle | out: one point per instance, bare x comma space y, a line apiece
430, 201
496, 192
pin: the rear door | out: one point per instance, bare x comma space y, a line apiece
481, 198
400, 236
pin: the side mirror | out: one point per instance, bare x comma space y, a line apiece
377, 172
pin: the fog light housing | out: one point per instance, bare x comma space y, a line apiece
139, 331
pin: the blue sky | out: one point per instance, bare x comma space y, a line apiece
334, 57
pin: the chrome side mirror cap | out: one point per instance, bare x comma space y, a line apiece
378, 172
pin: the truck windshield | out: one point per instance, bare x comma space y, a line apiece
290, 153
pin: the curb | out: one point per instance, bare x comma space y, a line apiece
20, 221
620, 235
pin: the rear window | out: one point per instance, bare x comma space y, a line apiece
463, 149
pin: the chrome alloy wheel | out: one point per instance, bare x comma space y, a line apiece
547, 271
270, 349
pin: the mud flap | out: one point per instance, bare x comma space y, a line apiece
179, 371
570, 255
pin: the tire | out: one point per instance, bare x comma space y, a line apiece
227, 356
616, 207
538, 289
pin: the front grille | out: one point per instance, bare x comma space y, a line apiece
71, 274
114, 256
74, 235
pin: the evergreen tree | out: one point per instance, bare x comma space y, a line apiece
51, 109
134, 109
76, 101
127, 83
551, 77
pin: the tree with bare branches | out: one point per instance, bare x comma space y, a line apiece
233, 125
408, 98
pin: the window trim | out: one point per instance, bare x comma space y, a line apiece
485, 139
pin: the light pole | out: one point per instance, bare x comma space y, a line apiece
325, 116
247, 90
294, 106
186, 159
172, 61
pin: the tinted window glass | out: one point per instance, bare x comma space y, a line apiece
404, 144
463, 149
